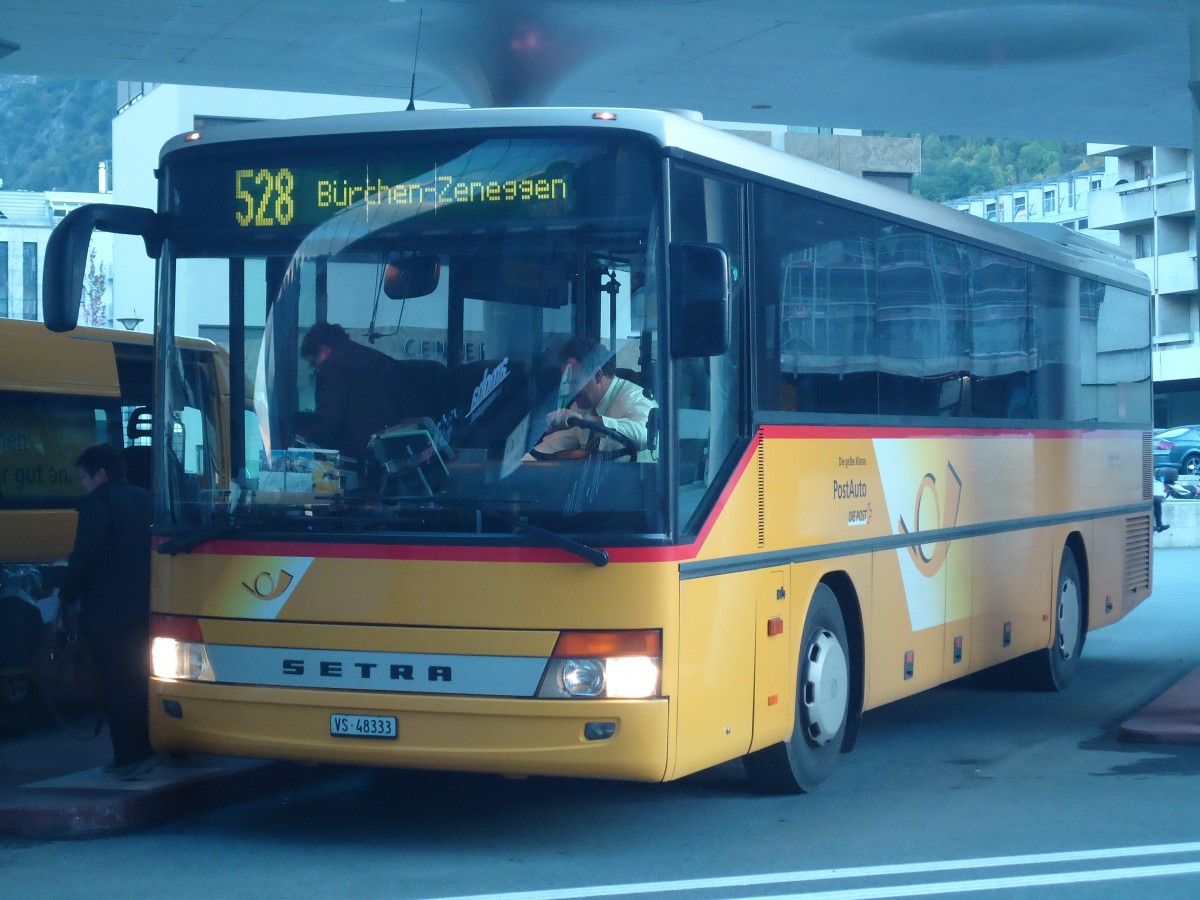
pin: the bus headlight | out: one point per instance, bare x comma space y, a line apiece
623, 665
180, 660
177, 650
582, 677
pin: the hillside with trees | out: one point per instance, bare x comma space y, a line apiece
54, 132
953, 167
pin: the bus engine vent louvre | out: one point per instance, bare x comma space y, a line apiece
1137, 559
760, 458
1147, 465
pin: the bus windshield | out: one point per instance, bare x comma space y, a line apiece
423, 320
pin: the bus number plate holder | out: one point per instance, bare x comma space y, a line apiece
343, 725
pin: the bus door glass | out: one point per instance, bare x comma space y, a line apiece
709, 391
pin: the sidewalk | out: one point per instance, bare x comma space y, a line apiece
1172, 718
52, 784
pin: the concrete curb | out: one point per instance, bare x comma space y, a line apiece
91, 802
1173, 718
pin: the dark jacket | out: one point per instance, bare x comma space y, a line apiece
357, 395
109, 568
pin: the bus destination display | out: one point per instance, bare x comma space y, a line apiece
284, 195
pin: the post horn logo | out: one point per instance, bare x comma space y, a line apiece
929, 562
266, 587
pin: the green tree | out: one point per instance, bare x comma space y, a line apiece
54, 132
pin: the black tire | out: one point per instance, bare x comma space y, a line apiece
823, 692
1191, 465
1053, 668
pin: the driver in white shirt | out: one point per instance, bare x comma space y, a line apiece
599, 395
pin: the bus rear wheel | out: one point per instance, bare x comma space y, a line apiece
823, 693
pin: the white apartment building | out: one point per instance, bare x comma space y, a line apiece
26, 220
1063, 200
1151, 207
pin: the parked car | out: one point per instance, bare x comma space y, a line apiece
1178, 447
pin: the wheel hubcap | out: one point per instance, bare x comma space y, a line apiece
1068, 618
826, 677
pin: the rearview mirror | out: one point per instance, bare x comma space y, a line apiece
410, 275
67, 250
700, 298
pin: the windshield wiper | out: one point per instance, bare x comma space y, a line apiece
595, 555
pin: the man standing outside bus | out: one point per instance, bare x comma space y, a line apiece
108, 573
599, 395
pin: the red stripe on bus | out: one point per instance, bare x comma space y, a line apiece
859, 432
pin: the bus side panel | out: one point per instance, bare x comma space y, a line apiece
36, 535
715, 697
905, 640
1014, 576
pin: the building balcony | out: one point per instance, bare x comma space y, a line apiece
1177, 273
1137, 202
1176, 360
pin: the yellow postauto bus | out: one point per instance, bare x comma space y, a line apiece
58, 394
869, 465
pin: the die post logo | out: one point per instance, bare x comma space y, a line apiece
943, 503
266, 586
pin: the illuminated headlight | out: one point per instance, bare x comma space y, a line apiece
621, 665
180, 660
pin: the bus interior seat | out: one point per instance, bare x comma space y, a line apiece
486, 422
423, 388
640, 378
139, 458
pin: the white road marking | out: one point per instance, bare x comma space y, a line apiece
952, 865
992, 884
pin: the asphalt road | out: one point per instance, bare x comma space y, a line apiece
960, 792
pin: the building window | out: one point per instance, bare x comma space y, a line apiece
1144, 245
4, 279
29, 279
1143, 169
1048, 201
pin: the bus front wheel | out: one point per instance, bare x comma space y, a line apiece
823, 694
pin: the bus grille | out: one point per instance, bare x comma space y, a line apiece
1137, 560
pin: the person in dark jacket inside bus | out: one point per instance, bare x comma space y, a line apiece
356, 391
108, 574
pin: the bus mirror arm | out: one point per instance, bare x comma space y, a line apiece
66, 259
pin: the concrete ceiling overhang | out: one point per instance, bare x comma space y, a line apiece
1101, 70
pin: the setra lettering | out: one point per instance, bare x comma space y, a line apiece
367, 671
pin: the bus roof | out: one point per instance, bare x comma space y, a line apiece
686, 134
79, 361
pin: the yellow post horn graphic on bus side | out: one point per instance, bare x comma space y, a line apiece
929, 564
268, 588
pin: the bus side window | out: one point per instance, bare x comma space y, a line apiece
139, 457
